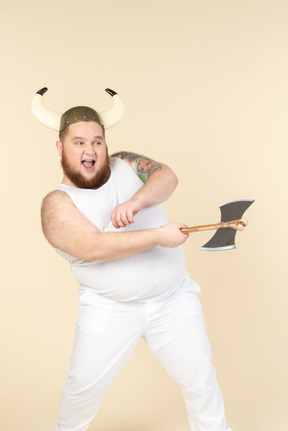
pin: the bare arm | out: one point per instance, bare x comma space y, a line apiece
67, 229
159, 183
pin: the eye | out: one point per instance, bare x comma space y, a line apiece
78, 143
96, 143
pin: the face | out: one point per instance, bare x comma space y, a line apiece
84, 156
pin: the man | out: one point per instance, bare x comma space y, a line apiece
106, 218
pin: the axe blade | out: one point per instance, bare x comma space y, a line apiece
224, 238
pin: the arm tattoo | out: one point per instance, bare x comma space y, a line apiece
143, 166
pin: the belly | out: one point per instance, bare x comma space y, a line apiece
150, 274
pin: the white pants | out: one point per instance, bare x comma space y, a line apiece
106, 335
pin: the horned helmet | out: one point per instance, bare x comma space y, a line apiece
58, 122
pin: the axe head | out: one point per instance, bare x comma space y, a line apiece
224, 238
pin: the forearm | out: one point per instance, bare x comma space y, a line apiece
93, 245
118, 245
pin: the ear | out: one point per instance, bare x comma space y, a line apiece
59, 146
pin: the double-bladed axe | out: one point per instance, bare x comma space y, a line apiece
231, 221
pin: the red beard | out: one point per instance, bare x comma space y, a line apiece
81, 182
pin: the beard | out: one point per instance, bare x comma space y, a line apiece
80, 181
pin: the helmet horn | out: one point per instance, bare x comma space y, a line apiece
48, 118
113, 115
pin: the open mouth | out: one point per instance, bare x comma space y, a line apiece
88, 164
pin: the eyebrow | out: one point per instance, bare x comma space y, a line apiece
83, 139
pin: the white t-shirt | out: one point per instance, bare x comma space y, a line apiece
151, 274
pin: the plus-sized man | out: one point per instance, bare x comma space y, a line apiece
106, 218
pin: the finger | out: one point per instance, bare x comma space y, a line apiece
130, 216
126, 216
114, 218
121, 219
118, 222
182, 225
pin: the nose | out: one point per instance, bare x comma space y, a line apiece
89, 149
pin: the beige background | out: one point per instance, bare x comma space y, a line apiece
206, 89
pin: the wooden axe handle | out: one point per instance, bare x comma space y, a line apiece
235, 224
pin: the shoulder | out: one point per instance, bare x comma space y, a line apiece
143, 166
125, 155
54, 200
56, 196
131, 158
